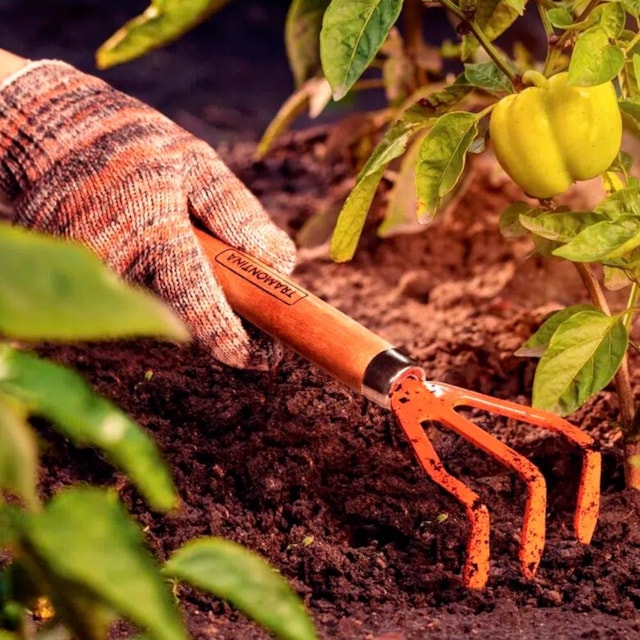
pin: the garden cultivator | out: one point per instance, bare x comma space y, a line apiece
372, 366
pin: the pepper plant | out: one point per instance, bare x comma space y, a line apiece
78, 561
550, 121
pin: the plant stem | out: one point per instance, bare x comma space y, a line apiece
626, 404
412, 17
486, 44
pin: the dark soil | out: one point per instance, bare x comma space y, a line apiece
269, 460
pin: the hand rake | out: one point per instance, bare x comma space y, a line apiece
372, 366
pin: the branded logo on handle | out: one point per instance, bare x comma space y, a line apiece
260, 276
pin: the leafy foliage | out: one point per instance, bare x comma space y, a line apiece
80, 557
434, 121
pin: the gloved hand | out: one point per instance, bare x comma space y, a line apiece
81, 160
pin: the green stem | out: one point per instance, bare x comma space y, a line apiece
548, 29
626, 405
486, 44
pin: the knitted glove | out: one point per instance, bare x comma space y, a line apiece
81, 160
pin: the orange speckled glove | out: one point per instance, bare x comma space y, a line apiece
81, 160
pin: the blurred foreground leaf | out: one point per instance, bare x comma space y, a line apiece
53, 289
18, 452
64, 397
88, 546
161, 23
233, 573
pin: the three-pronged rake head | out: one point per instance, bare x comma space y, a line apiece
414, 400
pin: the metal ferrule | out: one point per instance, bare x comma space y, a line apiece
383, 371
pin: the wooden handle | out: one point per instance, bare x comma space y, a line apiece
295, 317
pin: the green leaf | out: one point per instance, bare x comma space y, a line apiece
438, 102
18, 453
302, 38
615, 278
583, 356
486, 75
595, 60
560, 17
631, 108
355, 209
493, 17
352, 33
517, 5
231, 572
352, 217
57, 290
632, 7
400, 215
65, 398
161, 23
442, 159
510, 225
538, 343
85, 538
392, 146
561, 226
609, 16
314, 93
10, 526
620, 203
604, 240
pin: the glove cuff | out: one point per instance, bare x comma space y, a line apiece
41, 106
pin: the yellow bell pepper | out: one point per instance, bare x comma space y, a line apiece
551, 134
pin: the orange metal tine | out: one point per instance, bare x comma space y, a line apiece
413, 401
475, 572
588, 499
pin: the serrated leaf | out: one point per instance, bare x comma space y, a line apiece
560, 17
561, 226
510, 225
355, 209
65, 398
604, 240
583, 356
229, 571
302, 38
487, 76
493, 17
352, 33
538, 343
314, 94
84, 537
442, 159
594, 60
161, 23
57, 290
18, 453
